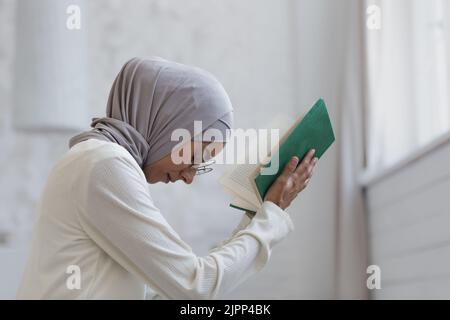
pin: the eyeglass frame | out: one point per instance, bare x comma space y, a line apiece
204, 167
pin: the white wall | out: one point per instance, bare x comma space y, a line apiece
409, 218
271, 56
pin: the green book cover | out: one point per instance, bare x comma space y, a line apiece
314, 131
243, 209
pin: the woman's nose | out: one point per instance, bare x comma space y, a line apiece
188, 175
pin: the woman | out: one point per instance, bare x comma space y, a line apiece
99, 235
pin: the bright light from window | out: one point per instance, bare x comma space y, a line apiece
408, 78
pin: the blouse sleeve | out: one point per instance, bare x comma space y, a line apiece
119, 215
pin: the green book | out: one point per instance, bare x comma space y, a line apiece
313, 132
249, 184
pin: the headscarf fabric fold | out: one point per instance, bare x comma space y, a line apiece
152, 97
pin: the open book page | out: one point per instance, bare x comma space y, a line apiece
239, 203
238, 182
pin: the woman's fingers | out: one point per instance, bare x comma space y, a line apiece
289, 168
299, 174
293, 180
304, 171
305, 162
311, 167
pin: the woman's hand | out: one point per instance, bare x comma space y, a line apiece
292, 181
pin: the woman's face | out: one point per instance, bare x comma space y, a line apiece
165, 170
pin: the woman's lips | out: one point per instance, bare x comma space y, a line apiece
169, 179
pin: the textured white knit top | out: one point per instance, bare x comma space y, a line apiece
96, 215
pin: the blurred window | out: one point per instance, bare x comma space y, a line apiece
408, 73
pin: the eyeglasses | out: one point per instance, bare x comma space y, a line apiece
204, 167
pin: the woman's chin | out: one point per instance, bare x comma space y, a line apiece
162, 179
154, 180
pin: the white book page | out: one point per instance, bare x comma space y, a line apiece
239, 202
238, 182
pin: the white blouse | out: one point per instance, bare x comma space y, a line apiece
98, 235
